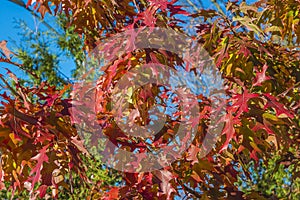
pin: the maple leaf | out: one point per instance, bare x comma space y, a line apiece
79, 144
192, 153
40, 158
241, 101
148, 16
261, 76
228, 128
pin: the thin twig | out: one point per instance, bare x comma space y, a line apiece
22, 4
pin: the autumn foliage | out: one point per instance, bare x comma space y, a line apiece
255, 48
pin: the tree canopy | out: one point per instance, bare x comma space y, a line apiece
255, 49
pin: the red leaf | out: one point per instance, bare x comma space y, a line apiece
241, 102
164, 177
176, 10
223, 54
253, 155
42, 137
51, 99
245, 51
42, 190
162, 4
79, 144
261, 76
228, 129
260, 126
113, 193
40, 158
192, 153
279, 107
148, 16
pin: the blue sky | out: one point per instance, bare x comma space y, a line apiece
9, 14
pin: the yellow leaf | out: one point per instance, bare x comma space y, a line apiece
13, 138
25, 129
272, 29
273, 118
93, 11
228, 69
15, 165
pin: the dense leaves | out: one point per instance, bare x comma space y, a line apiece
255, 47
34, 135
